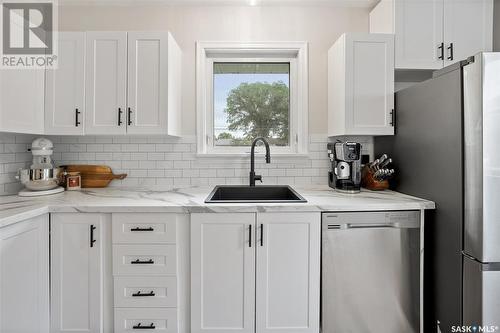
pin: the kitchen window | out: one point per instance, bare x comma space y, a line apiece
246, 91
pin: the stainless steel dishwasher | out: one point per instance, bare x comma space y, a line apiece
370, 272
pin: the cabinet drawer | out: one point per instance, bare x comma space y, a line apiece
136, 319
146, 291
144, 228
144, 259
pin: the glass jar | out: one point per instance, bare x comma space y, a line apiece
73, 181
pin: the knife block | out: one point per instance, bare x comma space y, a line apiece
370, 183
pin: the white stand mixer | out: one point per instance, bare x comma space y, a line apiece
42, 178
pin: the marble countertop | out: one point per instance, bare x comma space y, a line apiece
191, 200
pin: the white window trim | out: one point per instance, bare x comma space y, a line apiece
294, 52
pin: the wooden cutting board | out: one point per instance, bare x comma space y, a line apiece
94, 175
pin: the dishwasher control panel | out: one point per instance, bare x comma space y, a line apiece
395, 219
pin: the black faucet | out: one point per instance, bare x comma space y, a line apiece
253, 176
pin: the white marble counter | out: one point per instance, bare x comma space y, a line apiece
14, 208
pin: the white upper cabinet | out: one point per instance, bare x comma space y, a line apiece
65, 87
361, 85
428, 32
288, 270
468, 28
147, 82
418, 33
22, 100
24, 276
132, 83
106, 83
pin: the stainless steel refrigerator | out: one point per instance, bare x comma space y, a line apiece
447, 149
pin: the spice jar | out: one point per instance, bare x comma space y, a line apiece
73, 181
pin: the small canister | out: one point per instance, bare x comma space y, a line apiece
73, 181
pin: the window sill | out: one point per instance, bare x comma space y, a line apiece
244, 156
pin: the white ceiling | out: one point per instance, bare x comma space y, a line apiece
346, 3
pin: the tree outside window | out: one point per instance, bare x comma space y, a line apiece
251, 100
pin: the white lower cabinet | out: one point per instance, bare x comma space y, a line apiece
223, 273
144, 259
149, 286
24, 276
150, 291
150, 319
79, 279
255, 272
288, 268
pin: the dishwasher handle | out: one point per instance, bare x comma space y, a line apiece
332, 226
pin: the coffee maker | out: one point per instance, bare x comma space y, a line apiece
345, 166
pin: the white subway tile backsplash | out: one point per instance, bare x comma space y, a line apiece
165, 162
130, 164
130, 147
190, 173
173, 156
277, 172
111, 147
164, 147
182, 181
15, 147
156, 173
209, 173
103, 156
293, 172
225, 172
77, 147
147, 147
69, 156
95, 147
156, 156
137, 156
182, 164
8, 158
138, 173
86, 156
147, 164
173, 173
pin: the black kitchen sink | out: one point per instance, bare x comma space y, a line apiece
262, 193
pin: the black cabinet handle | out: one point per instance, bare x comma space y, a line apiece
142, 229
139, 294
77, 121
129, 117
120, 122
142, 262
250, 235
92, 240
393, 118
441, 47
450, 48
140, 327
262, 234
